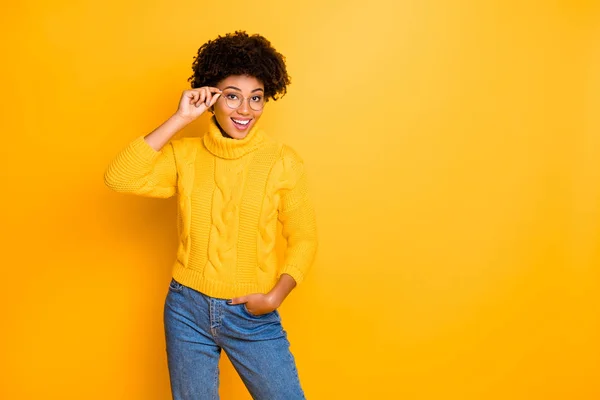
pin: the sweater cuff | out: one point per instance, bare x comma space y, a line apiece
143, 150
293, 272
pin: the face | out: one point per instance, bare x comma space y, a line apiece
237, 122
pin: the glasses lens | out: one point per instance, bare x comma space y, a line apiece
256, 102
233, 99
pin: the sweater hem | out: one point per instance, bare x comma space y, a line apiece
218, 289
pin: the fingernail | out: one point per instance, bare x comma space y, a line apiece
229, 302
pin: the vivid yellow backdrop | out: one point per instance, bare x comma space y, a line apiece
453, 151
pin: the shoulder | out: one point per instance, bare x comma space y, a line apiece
282, 152
182, 146
288, 167
186, 142
289, 155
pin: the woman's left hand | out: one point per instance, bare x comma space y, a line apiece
257, 303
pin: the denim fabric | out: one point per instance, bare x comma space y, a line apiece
197, 327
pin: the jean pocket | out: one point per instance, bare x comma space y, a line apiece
175, 286
257, 316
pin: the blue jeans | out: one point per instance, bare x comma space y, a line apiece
197, 327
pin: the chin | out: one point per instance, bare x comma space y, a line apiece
237, 135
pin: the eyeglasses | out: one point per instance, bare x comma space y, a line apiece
235, 99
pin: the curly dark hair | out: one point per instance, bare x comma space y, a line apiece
241, 54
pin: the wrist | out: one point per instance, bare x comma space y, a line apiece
275, 298
181, 119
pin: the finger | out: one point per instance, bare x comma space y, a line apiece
208, 97
192, 96
201, 97
214, 99
238, 300
193, 99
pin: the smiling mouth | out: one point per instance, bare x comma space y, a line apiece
241, 123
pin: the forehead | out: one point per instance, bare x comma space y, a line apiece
244, 82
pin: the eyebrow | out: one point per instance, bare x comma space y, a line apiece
236, 88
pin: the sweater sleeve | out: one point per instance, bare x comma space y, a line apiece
141, 170
297, 216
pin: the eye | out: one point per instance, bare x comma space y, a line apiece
256, 99
231, 96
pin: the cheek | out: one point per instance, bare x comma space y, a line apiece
220, 109
257, 114
221, 115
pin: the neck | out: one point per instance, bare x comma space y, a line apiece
223, 133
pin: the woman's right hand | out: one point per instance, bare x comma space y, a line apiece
194, 102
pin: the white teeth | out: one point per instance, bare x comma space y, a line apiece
241, 122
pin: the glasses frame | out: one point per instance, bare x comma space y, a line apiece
242, 102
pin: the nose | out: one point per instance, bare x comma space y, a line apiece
243, 109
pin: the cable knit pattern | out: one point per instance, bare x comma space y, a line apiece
222, 249
230, 195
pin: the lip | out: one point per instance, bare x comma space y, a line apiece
241, 127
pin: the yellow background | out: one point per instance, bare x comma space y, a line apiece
453, 152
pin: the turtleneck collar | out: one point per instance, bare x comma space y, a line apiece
225, 147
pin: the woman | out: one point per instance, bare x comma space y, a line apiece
232, 185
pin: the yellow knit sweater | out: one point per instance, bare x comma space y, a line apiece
230, 195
